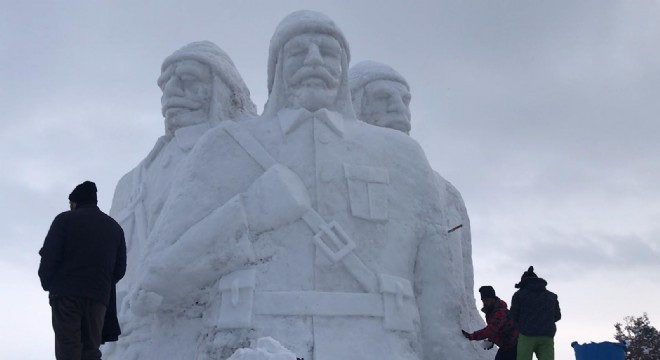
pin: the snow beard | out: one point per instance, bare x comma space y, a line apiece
312, 89
185, 118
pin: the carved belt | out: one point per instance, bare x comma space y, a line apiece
240, 302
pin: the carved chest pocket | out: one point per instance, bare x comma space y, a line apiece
367, 190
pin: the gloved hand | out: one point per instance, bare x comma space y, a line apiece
487, 345
466, 334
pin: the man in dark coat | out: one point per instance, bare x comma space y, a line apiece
535, 311
83, 257
500, 328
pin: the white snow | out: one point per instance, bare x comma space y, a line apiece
303, 232
267, 349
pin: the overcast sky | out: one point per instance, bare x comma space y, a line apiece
544, 114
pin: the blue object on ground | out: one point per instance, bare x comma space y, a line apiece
599, 351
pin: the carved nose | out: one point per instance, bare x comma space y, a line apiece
173, 86
313, 55
396, 103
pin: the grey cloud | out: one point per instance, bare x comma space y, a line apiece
566, 254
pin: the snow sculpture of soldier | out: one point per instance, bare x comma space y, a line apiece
381, 97
201, 88
305, 225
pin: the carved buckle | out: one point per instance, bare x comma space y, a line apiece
337, 239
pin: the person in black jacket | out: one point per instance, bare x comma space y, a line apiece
535, 311
83, 257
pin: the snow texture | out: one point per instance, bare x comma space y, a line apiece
457, 220
267, 349
303, 232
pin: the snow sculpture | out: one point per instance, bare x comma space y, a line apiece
304, 225
266, 349
381, 97
201, 87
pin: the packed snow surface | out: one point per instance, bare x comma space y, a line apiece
303, 232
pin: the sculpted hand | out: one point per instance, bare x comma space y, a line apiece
144, 302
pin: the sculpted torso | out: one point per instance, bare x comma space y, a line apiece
304, 225
349, 180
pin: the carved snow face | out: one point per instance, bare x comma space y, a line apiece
311, 70
187, 87
386, 104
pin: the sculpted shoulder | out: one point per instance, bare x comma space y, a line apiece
394, 144
409, 168
125, 191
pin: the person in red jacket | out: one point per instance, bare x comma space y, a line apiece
500, 328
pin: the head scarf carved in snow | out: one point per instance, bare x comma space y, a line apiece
233, 105
300, 23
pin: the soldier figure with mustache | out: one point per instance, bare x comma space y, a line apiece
304, 225
201, 88
381, 97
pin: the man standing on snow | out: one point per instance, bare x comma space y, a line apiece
535, 311
83, 257
500, 330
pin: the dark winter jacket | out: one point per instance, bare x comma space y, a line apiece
535, 309
500, 328
84, 254
111, 329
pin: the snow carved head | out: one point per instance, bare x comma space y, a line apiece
380, 95
308, 65
200, 83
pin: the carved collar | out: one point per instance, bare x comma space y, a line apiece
187, 136
290, 119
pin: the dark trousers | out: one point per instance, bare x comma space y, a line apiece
508, 354
77, 323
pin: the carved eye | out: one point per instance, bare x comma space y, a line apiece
382, 96
188, 77
296, 51
329, 52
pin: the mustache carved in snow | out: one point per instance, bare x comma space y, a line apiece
314, 72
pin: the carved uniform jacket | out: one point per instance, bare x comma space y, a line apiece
346, 274
142, 192
460, 247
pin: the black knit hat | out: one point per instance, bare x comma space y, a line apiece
487, 292
84, 193
529, 274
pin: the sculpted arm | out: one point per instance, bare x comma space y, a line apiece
221, 242
437, 288
432, 290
